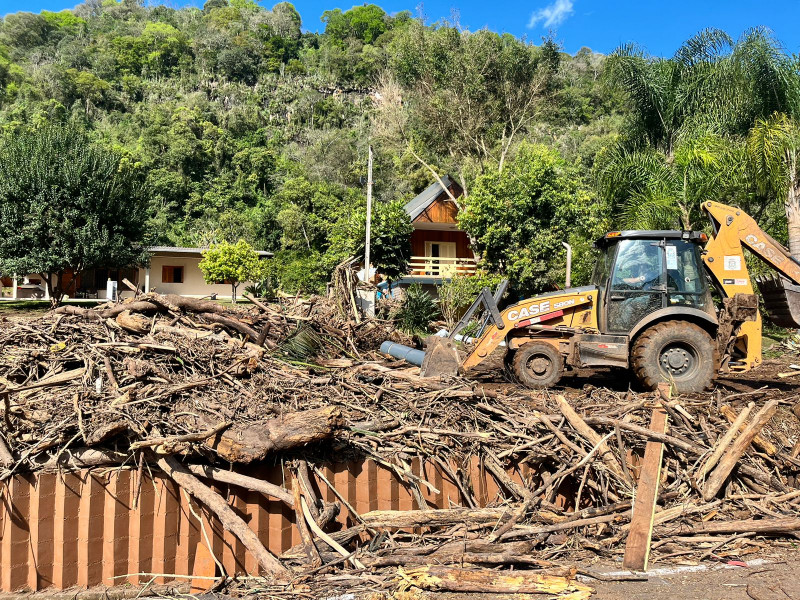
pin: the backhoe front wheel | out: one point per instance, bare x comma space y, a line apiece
538, 365
678, 352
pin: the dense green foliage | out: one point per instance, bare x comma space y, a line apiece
66, 203
247, 127
519, 217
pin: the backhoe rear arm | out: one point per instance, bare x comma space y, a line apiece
725, 261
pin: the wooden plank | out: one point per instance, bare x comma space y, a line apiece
637, 547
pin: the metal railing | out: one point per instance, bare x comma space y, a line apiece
430, 266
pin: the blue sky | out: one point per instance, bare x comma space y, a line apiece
600, 25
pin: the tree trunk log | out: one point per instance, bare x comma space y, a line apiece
731, 457
763, 526
255, 441
489, 581
229, 519
455, 553
433, 518
78, 458
133, 322
792, 207
759, 442
243, 481
232, 323
108, 313
723, 443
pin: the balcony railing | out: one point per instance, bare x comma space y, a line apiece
429, 266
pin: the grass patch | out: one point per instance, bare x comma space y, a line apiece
23, 308
33, 308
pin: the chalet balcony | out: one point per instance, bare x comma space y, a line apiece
440, 267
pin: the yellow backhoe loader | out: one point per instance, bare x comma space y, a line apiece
649, 308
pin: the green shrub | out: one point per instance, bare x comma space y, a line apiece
417, 311
301, 271
456, 295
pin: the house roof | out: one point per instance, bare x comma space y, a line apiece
420, 204
198, 251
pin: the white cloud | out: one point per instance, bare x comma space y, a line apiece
552, 15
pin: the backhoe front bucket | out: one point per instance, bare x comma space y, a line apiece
441, 358
781, 299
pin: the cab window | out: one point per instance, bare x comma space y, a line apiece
686, 278
639, 266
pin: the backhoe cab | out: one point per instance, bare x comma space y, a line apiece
649, 308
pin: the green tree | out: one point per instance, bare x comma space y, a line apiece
231, 263
520, 217
364, 23
462, 97
67, 205
391, 230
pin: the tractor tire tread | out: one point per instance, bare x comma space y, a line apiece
523, 354
644, 359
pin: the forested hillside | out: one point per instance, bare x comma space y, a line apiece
242, 125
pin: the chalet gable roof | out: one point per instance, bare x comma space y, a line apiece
418, 205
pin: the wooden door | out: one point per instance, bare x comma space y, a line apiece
441, 259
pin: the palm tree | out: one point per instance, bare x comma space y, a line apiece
652, 190
665, 94
773, 150
690, 135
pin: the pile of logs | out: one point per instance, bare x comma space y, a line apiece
192, 387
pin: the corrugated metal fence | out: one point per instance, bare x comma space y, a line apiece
97, 527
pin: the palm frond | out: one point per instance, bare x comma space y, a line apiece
651, 210
768, 143
705, 46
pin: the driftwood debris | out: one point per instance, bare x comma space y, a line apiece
229, 519
441, 578
731, 457
493, 475
255, 442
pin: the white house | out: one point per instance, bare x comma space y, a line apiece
172, 270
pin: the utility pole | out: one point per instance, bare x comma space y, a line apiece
369, 216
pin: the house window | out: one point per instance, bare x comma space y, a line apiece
171, 274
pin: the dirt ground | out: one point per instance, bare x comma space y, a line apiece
775, 575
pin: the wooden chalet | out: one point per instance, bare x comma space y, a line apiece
439, 248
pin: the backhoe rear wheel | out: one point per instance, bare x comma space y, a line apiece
675, 351
538, 365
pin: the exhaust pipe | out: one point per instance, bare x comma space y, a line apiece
568, 283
